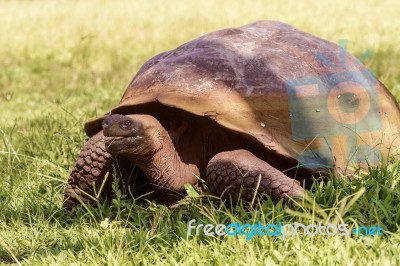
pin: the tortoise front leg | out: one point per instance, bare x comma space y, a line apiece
89, 171
240, 174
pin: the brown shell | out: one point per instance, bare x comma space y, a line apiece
261, 80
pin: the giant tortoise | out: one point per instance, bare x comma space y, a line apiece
250, 110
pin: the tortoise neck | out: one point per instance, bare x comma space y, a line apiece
162, 164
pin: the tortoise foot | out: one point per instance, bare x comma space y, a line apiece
241, 175
88, 173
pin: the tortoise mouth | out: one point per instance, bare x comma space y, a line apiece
116, 144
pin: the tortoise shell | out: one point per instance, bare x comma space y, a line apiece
296, 95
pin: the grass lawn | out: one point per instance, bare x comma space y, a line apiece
63, 62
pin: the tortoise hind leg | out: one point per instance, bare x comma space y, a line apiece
239, 174
89, 171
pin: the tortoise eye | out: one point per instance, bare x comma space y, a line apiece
126, 123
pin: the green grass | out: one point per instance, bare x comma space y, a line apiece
63, 62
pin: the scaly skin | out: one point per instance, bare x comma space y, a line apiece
89, 171
236, 174
143, 140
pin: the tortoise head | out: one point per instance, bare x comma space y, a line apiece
131, 134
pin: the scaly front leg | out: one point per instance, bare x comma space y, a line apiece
89, 171
239, 174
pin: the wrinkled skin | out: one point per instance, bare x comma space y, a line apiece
236, 174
